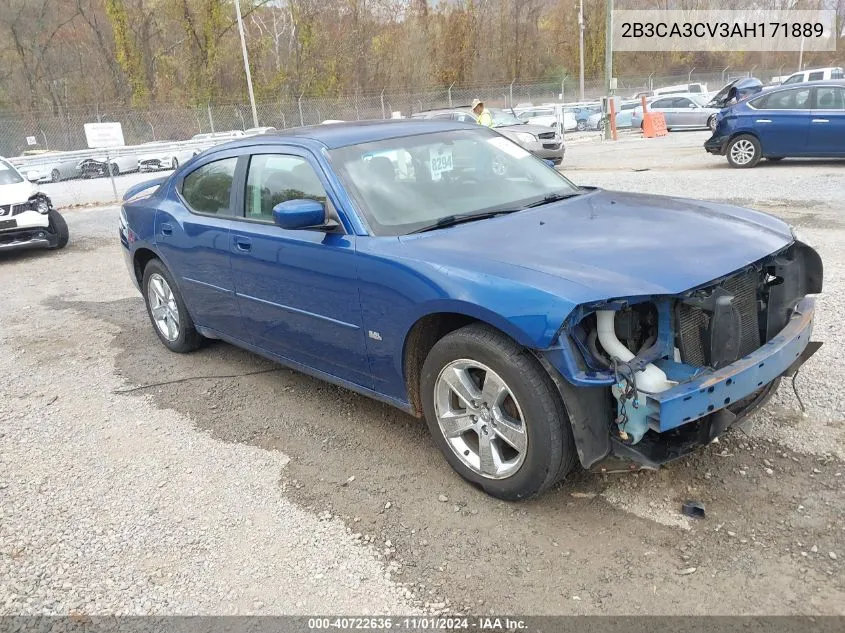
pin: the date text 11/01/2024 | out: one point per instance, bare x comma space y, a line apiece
722, 29
431, 623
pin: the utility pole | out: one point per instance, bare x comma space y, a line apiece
608, 58
246, 63
581, 49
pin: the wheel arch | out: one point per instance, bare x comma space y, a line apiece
429, 328
140, 259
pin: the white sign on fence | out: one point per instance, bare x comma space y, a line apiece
99, 135
30, 140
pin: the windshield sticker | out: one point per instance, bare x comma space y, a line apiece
440, 160
508, 147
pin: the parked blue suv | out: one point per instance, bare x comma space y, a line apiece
806, 120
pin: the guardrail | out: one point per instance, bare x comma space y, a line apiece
51, 158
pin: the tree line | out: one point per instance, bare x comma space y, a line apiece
60, 54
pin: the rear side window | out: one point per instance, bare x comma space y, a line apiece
783, 100
662, 103
830, 98
681, 102
276, 178
816, 76
837, 73
208, 189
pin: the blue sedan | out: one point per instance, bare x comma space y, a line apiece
801, 120
441, 268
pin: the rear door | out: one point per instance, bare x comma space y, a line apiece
781, 121
297, 290
665, 106
827, 122
193, 239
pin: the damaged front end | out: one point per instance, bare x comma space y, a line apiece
657, 376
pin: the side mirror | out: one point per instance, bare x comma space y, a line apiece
299, 214
692, 105
32, 176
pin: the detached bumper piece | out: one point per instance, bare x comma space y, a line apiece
716, 145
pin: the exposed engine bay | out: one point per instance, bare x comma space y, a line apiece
660, 352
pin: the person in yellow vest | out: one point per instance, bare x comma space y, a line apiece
483, 114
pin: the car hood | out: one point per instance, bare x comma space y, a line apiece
609, 244
17, 192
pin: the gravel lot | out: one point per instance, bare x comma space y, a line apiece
234, 495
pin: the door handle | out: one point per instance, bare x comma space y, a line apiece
821, 121
166, 229
763, 121
243, 244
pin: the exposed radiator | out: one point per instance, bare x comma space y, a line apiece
693, 322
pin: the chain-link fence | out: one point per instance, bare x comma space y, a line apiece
63, 129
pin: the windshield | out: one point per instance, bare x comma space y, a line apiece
407, 183
8, 174
502, 118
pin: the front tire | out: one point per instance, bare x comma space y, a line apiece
55, 175
711, 123
58, 227
743, 151
167, 310
495, 413
582, 125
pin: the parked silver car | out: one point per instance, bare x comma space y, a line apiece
543, 142
688, 111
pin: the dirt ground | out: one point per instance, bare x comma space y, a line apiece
772, 542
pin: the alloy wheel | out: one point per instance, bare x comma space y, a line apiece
742, 152
480, 419
163, 307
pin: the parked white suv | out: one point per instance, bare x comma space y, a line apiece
27, 216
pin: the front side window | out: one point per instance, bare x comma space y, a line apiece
795, 79
662, 104
682, 102
837, 73
407, 183
208, 189
8, 174
830, 98
276, 178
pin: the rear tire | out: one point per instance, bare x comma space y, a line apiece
115, 170
58, 226
55, 175
167, 311
743, 152
711, 123
516, 400
582, 125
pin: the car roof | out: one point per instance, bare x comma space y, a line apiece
806, 84
334, 135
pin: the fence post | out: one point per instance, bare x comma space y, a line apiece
511, 93
723, 73
689, 76
382, 105
450, 93
210, 119
299, 103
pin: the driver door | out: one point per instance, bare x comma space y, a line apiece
297, 289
